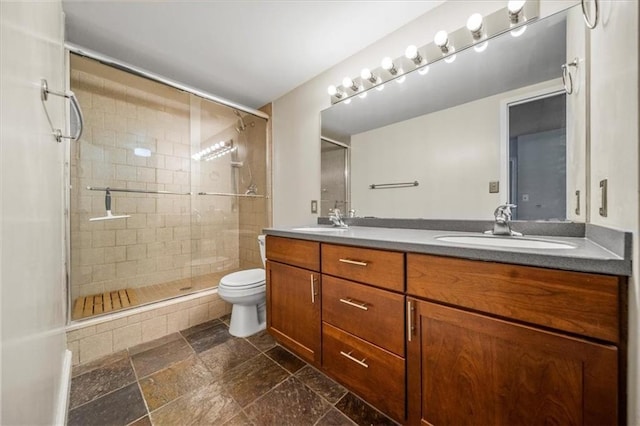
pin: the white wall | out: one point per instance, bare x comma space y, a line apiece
31, 205
614, 148
452, 162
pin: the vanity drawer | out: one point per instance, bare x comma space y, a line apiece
375, 374
367, 312
376, 267
575, 302
301, 253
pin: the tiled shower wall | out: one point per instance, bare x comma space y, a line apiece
167, 237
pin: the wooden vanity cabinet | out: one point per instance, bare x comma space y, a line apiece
467, 368
294, 295
511, 345
437, 340
363, 324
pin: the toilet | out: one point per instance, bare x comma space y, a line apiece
246, 291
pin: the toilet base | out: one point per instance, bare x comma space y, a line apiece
245, 321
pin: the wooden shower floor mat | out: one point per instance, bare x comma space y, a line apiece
87, 306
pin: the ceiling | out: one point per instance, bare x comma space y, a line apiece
247, 51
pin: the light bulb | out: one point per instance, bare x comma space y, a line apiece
333, 91
441, 38
387, 63
362, 95
411, 52
423, 70
401, 79
515, 6
347, 101
366, 74
347, 83
450, 59
221, 143
380, 88
474, 23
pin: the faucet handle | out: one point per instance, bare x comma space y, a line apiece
503, 211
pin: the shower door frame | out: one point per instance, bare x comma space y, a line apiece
140, 72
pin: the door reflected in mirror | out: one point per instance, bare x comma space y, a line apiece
538, 157
334, 164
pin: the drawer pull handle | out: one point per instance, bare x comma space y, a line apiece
350, 302
353, 262
410, 327
357, 361
313, 290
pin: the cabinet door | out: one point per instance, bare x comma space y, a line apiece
466, 368
293, 309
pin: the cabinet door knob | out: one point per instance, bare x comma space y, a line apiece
357, 361
353, 262
359, 305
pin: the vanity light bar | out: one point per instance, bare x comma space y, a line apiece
475, 33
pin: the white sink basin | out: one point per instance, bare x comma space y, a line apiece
319, 229
509, 242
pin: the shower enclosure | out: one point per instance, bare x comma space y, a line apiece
190, 174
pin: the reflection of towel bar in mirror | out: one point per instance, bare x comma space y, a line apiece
57, 133
393, 185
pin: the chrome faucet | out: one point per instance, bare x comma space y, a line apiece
336, 218
502, 225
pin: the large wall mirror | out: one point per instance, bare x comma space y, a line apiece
494, 125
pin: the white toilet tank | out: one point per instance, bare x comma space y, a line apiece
261, 243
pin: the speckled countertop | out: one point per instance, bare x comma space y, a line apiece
588, 255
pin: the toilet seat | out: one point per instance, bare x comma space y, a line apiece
244, 280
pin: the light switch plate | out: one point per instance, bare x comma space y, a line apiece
494, 187
314, 206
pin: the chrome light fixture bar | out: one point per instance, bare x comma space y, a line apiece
477, 30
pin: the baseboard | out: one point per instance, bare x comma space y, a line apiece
63, 394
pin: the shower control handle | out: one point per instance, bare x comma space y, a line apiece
107, 201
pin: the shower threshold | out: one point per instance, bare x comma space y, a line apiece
86, 307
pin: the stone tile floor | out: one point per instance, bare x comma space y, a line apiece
205, 376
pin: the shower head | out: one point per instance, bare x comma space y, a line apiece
241, 127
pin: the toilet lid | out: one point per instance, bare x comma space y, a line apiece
248, 278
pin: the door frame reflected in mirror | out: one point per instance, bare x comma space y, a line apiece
554, 89
327, 205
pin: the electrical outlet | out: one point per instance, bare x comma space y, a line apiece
494, 187
314, 206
